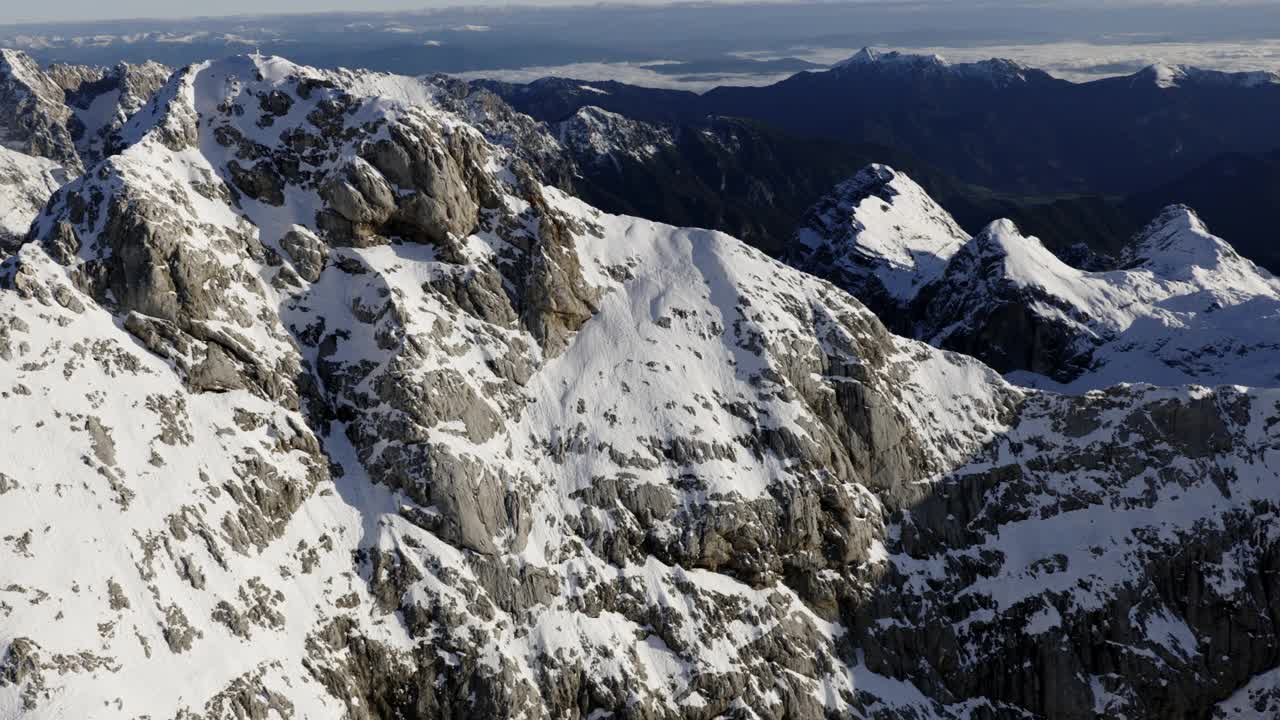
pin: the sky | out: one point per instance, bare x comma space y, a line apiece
77, 10
12, 11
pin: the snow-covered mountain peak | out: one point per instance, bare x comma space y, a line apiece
1165, 75
1184, 295
1187, 308
997, 71
456, 431
1178, 237
1023, 256
872, 56
880, 231
598, 135
997, 238
1179, 248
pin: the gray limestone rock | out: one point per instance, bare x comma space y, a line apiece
33, 113
308, 253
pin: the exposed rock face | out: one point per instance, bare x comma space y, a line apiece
1160, 614
374, 424
33, 115
307, 252
525, 138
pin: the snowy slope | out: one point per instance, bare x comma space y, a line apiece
329, 409
494, 462
26, 183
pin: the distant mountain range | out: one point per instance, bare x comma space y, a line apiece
997, 123
1076, 164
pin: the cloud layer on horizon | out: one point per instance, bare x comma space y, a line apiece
1083, 61
1075, 61
641, 74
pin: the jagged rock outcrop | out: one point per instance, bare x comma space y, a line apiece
525, 138
356, 417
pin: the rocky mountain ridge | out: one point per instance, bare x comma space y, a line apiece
1172, 76
880, 237
357, 418
54, 123
103, 99
995, 71
995, 124
1180, 306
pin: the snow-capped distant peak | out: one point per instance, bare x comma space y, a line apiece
1166, 76
1187, 308
871, 56
998, 71
1023, 259
879, 223
1178, 246
598, 135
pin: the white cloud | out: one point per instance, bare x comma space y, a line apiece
630, 73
